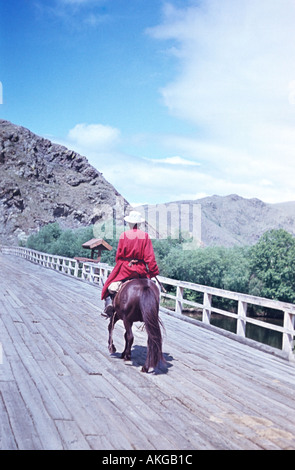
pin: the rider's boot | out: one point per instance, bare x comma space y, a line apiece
108, 308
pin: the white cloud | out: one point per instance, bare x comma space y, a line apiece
94, 137
74, 2
292, 92
175, 161
236, 84
236, 59
178, 178
80, 3
75, 15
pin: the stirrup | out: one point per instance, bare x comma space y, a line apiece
108, 308
108, 311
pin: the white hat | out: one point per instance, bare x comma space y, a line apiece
134, 218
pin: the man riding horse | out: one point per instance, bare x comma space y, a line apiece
135, 258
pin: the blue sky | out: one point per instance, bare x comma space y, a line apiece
171, 100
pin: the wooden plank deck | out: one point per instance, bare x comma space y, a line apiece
60, 388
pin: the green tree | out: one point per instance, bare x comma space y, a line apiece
272, 266
52, 239
237, 270
42, 240
225, 268
65, 245
220, 267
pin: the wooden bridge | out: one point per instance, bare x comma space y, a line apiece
61, 389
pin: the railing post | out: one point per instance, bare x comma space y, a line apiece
103, 275
242, 316
91, 275
289, 322
84, 271
76, 268
207, 304
179, 299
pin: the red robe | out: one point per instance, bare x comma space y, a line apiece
133, 244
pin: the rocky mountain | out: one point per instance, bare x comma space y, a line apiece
42, 182
223, 220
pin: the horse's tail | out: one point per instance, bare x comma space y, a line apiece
149, 306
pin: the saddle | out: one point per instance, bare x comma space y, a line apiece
118, 293
114, 290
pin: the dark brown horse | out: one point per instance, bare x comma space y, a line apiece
138, 300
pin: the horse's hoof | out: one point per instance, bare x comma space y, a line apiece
144, 369
126, 357
112, 349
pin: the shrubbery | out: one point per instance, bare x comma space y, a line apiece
266, 269
52, 239
272, 266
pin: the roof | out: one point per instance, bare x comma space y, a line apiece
97, 243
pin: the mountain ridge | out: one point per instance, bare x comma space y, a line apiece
43, 182
230, 220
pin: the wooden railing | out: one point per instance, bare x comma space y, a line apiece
85, 271
243, 301
98, 272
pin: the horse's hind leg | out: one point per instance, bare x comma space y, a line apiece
126, 354
146, 366
113, 320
